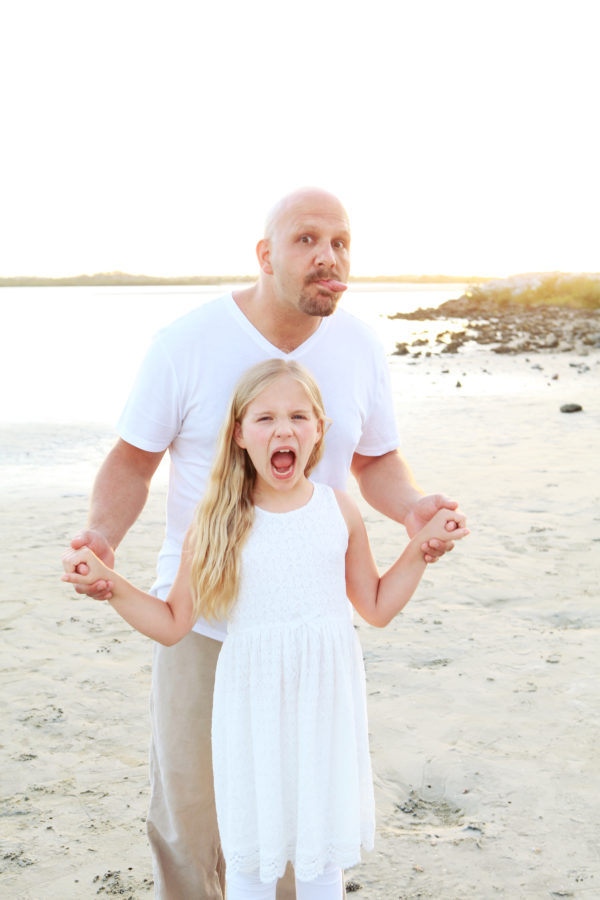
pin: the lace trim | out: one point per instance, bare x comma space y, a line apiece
271, 868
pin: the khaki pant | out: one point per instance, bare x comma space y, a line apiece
182, 822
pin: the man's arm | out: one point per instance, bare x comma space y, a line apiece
387, 485
119, 494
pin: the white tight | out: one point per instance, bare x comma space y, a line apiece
326, 886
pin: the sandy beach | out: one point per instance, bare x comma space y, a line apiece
483, 694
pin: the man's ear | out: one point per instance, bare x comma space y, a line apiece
263, 253
237, 436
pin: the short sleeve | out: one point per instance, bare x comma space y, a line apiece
380, 430
151, 418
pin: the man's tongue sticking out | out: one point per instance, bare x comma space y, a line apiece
333, 285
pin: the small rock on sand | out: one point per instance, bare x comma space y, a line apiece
571, 407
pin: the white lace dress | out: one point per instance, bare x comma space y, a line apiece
290, 744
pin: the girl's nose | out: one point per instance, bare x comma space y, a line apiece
284, 427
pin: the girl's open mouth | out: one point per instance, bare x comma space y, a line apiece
283, 463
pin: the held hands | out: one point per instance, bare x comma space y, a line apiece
99, 588
83, 568
443, 522
438, 541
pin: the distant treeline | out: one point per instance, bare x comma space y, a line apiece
120, 279
123, 279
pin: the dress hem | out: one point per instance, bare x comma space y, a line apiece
304, 871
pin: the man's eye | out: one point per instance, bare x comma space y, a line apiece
338, 245
306, 239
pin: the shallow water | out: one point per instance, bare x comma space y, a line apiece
70, 354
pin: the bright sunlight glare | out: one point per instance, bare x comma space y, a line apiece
152, 137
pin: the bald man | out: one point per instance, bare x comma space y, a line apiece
177, 404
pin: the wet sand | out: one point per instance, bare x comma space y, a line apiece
483, 694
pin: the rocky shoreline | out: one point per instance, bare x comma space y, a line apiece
506, 328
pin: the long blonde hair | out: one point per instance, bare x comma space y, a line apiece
224, 518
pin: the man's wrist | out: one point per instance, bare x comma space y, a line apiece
104, 535
412, 502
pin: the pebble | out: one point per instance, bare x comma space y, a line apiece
571, 407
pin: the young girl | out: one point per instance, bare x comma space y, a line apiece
278, 556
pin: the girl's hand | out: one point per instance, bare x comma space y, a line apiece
420, 514
82, 567
95, 540
445, 525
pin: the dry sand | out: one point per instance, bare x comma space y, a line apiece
483, 695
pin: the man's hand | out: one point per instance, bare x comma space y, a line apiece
420, 513
102, 589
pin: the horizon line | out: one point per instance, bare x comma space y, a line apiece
124, 279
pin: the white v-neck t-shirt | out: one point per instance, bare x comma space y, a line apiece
180, 396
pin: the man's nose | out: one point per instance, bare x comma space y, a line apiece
325, 255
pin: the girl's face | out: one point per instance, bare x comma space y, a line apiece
279, 430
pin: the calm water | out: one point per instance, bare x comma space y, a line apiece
70, 354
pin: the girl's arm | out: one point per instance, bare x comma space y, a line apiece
379, 598
163, 621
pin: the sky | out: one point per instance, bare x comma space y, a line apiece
152, 137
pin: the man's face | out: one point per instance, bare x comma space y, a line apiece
309, 253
